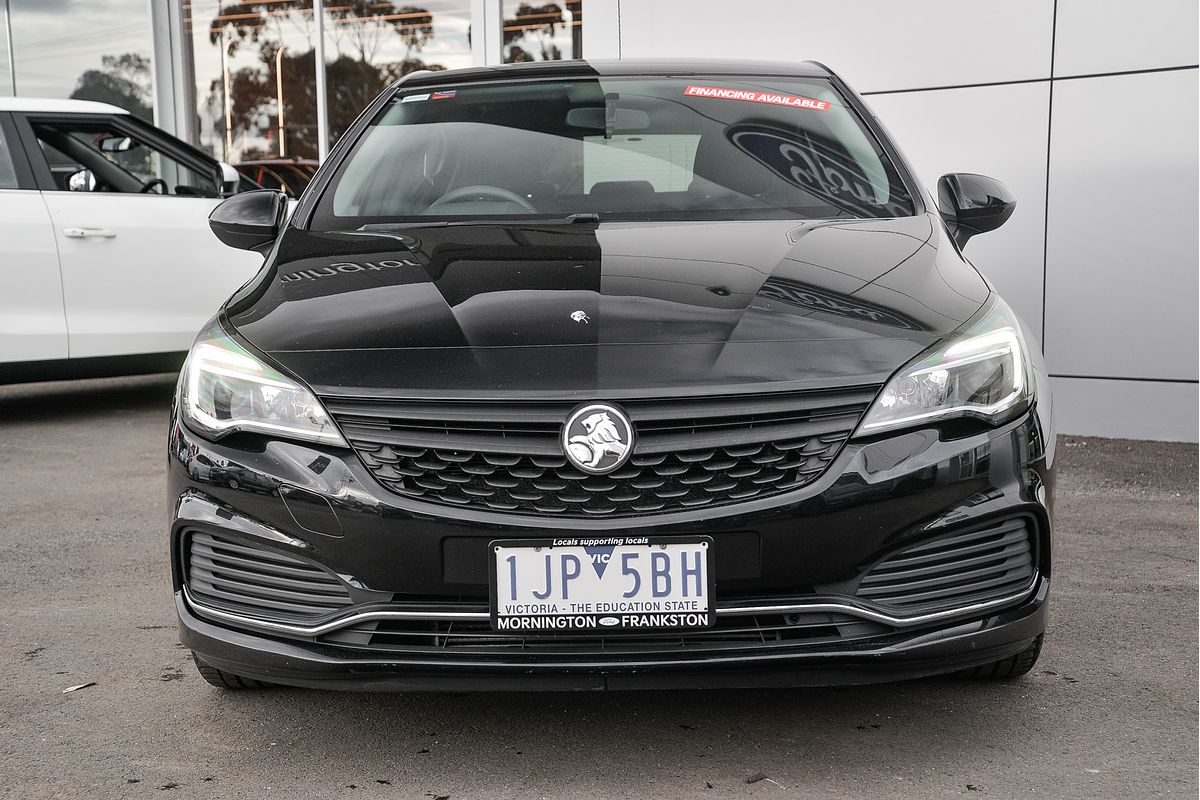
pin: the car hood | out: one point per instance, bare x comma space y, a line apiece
616, 308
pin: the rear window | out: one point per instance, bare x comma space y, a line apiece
620, 148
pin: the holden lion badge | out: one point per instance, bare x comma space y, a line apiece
597, 438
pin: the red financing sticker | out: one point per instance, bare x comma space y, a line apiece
752, 96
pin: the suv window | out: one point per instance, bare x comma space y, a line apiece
623, 148
117, 161
8, 175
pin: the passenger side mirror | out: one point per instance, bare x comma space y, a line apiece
250, 220
82, 181
230, 178
973, 204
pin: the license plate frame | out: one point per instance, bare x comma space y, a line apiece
574, 622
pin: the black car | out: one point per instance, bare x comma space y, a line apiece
586, 375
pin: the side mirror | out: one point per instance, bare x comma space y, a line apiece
82, 181
973, 204
250, 220
230, 178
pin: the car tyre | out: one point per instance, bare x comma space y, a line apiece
226, 680
1008, 668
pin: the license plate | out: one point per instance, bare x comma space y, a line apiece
602, 584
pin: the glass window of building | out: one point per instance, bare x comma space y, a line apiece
85, 50
6, 76
255, 60
542, 32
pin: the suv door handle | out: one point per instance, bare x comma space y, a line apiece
84, 233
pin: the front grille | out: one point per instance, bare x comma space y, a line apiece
689, 454
477, 639
247, 579
976, 566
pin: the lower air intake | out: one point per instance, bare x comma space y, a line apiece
979, 565
243, 578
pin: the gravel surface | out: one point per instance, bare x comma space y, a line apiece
1109, 711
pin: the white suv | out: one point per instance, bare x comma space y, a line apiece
107, 264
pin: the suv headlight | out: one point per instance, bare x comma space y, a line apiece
982, 372
227, 389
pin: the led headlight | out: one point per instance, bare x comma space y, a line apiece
226, 389
983, 372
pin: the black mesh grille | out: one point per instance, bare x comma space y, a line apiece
689, 453
477, 639
247, 579
962, 569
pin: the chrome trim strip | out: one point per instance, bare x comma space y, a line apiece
473, 616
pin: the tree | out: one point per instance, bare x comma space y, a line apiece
352, 84
534, 27
123, 81
366, 23
353, 80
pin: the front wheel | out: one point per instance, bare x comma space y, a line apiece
226, 680
1007, 668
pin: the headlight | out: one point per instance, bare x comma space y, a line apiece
983, 372
226, 389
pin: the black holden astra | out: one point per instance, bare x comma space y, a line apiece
589, 375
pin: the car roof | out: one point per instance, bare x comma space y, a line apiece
41, 104
625, 67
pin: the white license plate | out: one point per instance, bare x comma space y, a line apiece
601, 584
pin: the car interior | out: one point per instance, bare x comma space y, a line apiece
576, 150
99, 158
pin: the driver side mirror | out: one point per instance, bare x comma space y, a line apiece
82, 181
251, 220
972, 204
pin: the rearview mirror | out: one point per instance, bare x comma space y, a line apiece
250, 220
116, 144
972, 204
621, 119
82, 181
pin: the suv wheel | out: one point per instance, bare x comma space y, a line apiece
225, 680
1006, 668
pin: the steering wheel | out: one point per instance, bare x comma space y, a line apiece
481, 192
150, 184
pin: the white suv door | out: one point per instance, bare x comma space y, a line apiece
141, 270
33, 325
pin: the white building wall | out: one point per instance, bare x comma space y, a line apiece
1087, 109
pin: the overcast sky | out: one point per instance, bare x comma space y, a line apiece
56, 41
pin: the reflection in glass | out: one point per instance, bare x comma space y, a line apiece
6, 76
546, 32
255, 84
84, 50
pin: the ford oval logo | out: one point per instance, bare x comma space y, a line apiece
608, 622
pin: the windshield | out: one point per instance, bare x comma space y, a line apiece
617, 148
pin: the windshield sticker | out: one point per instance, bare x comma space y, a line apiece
752, 96
414, 98
444, 95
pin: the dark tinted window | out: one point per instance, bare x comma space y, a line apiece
628, 148
8, 175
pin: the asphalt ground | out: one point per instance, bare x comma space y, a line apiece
1109, 712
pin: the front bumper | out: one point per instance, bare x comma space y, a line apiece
934, 652
785, 556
